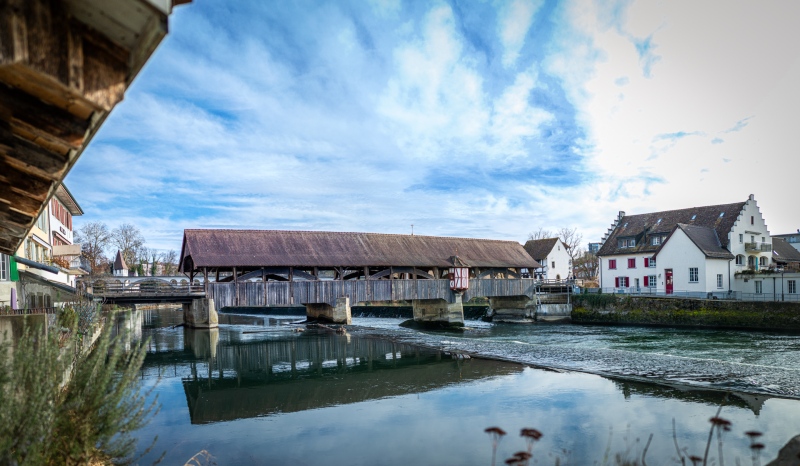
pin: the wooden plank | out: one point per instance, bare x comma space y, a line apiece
23, 183
49, 89
17, 106
21, 202
29, 157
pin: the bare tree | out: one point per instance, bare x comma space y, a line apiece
94, 238
586, 266
572, 239
541, 233
130, 242
170, 261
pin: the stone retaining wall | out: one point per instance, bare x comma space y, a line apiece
618, 309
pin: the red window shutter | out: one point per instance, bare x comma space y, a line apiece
646, 278
646, 264
616, 282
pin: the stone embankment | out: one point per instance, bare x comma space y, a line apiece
637, 310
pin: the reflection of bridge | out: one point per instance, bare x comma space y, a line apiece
243, 380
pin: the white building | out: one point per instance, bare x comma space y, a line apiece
553, 255
699, 250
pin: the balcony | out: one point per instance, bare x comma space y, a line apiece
79, 265
758, 247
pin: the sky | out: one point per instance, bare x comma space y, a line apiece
484, 119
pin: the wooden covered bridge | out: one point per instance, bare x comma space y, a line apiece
327, 271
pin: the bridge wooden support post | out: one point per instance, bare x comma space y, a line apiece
439, 312
513, 309
200, 313
339, 314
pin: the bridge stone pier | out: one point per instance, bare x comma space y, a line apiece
516, 309
338, 314
439, 311
200, 313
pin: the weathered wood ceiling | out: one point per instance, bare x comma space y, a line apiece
64, 64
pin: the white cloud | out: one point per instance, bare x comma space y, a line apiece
515, 19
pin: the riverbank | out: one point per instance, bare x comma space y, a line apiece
683, 312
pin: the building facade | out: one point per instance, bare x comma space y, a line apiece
48, 262
709, 250
553, 255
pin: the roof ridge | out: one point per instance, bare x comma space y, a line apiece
345, 233
687, 208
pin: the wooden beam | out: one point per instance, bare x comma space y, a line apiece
29, 157
21, 109
21, 202
23, 183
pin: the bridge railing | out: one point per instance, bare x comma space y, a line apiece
116, 289
230, 294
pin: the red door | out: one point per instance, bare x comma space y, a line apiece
668, 280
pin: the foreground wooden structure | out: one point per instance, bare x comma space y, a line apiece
64, 65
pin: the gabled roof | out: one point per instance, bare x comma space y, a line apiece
642, 227
783, 251
706, 240
119, 262
271, 248
67, 200
540, 248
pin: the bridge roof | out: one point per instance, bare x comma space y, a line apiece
270, 248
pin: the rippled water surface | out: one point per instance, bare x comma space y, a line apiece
257, 391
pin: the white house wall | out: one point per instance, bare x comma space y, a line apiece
754, 228
679, 253
560, 257
608, 276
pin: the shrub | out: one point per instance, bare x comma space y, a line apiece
66, 404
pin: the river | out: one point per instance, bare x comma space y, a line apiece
257, 391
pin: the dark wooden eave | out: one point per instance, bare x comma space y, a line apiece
64, 65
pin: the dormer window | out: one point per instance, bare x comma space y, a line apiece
656, 240
627, 243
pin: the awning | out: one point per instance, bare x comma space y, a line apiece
36, 265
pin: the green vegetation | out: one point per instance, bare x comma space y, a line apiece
67, 400
616, 309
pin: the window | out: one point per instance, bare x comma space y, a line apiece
652, 262
41, 222
792, 286
621, 282
694, 216
719, 280
656, 240
741, 238
752, 220
612, 264
762, 261
650, 281
763, 239
553, 264
759, 289
739, 258
694, 276
4, 268
632, 263
627, 243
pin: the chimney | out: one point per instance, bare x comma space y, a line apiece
621, 214
752, 197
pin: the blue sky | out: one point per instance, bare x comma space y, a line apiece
481, 119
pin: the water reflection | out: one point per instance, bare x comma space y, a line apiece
264, 394
236, 379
